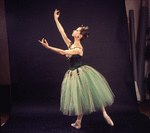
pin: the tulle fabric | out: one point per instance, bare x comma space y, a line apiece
84, 90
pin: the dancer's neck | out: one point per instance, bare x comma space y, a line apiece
77, 43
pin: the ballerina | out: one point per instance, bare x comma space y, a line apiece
84, 90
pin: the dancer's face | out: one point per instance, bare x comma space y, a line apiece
76, 33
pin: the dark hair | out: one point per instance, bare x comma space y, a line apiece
84, 31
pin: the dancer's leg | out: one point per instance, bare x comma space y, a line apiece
106, 116
77, 124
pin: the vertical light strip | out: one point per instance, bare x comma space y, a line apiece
135, 6
4, 52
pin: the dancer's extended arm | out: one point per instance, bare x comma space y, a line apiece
59, 51
60, 28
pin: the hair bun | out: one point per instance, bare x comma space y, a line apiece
85, 28
84, 31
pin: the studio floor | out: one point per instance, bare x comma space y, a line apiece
55, 122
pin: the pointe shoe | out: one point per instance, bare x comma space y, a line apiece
108, 119
77, 124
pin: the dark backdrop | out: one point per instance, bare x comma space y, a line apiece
39, 72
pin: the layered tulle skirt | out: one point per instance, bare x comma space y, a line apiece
84, 90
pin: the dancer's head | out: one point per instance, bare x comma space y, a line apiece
81, 33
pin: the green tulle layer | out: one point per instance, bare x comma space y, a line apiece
84, 90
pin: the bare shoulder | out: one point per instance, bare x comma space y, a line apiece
79, 51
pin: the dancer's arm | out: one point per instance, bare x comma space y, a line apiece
60, 51
60, 28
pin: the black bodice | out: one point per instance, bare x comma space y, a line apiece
75, 62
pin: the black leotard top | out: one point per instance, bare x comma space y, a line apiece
75, 62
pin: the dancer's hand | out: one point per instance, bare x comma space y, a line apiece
44, 43
56, 14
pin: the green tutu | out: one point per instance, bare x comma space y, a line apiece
84, 90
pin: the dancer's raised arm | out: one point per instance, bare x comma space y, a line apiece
60, 28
